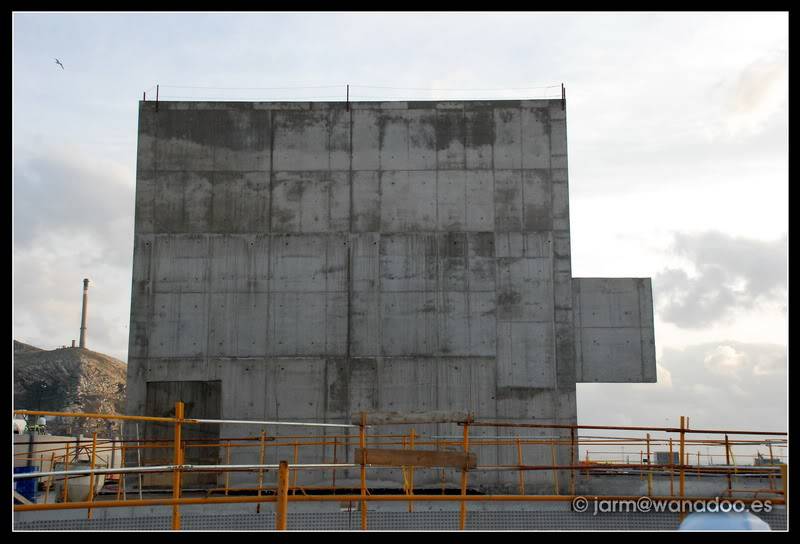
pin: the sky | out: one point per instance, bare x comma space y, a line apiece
678, 162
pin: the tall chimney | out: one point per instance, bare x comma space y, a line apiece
83, 312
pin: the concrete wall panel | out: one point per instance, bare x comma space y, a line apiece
297, 392
240, 202
366, 138
408, 262
537, 200
307, 201
185, 140
301, 140
507, 138
482, 324
298, 263
450, 148
366, 202
393, 142
408, 324
421, 139
230, 263
615, 354
609, 303
366, 324
365, 261
524, 290
307, 323
451, 199
182, 201
508, 200
408, 201
481, 261
364, 385
479, 139
145, 199
479, 201
407, 384
535, 135
242, 141
614, 330
525, 355
192, 325
237, 324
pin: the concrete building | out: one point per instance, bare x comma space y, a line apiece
309, 261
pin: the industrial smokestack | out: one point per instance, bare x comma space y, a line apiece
73, 343
83, 312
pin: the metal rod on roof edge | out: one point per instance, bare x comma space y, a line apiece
563, 97
348, 97
156, 97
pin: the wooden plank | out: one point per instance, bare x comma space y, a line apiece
21, 498
433, 416
417, 458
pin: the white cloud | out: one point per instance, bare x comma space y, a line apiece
730, 273
726, 361
759, 92
718, 384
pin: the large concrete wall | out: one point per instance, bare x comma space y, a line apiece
320, 261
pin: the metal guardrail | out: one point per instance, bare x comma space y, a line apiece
280, 493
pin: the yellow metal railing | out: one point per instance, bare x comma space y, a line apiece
605, 461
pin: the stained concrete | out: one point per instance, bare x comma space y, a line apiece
320, 261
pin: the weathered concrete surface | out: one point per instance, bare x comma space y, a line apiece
614, 331
394, 257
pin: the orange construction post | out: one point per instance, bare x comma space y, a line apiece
521, 472
411, 472
282, 504
362, 441
682, 455
463, 514
572, 460
66, 478
260, 472
91, 475
728, 463
177, 461
649, 470
671, 470
785, 483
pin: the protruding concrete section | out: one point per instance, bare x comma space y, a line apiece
318, 261
614, 332
84, 312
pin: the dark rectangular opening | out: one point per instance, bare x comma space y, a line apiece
202, 400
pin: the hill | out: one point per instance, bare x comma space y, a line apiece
70, 380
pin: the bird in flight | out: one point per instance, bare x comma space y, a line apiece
59, 63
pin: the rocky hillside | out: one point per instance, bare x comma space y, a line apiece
70, 380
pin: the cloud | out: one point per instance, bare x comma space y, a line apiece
758, 92
73, 218
725, 361
730, 273
70, 192
722, 384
